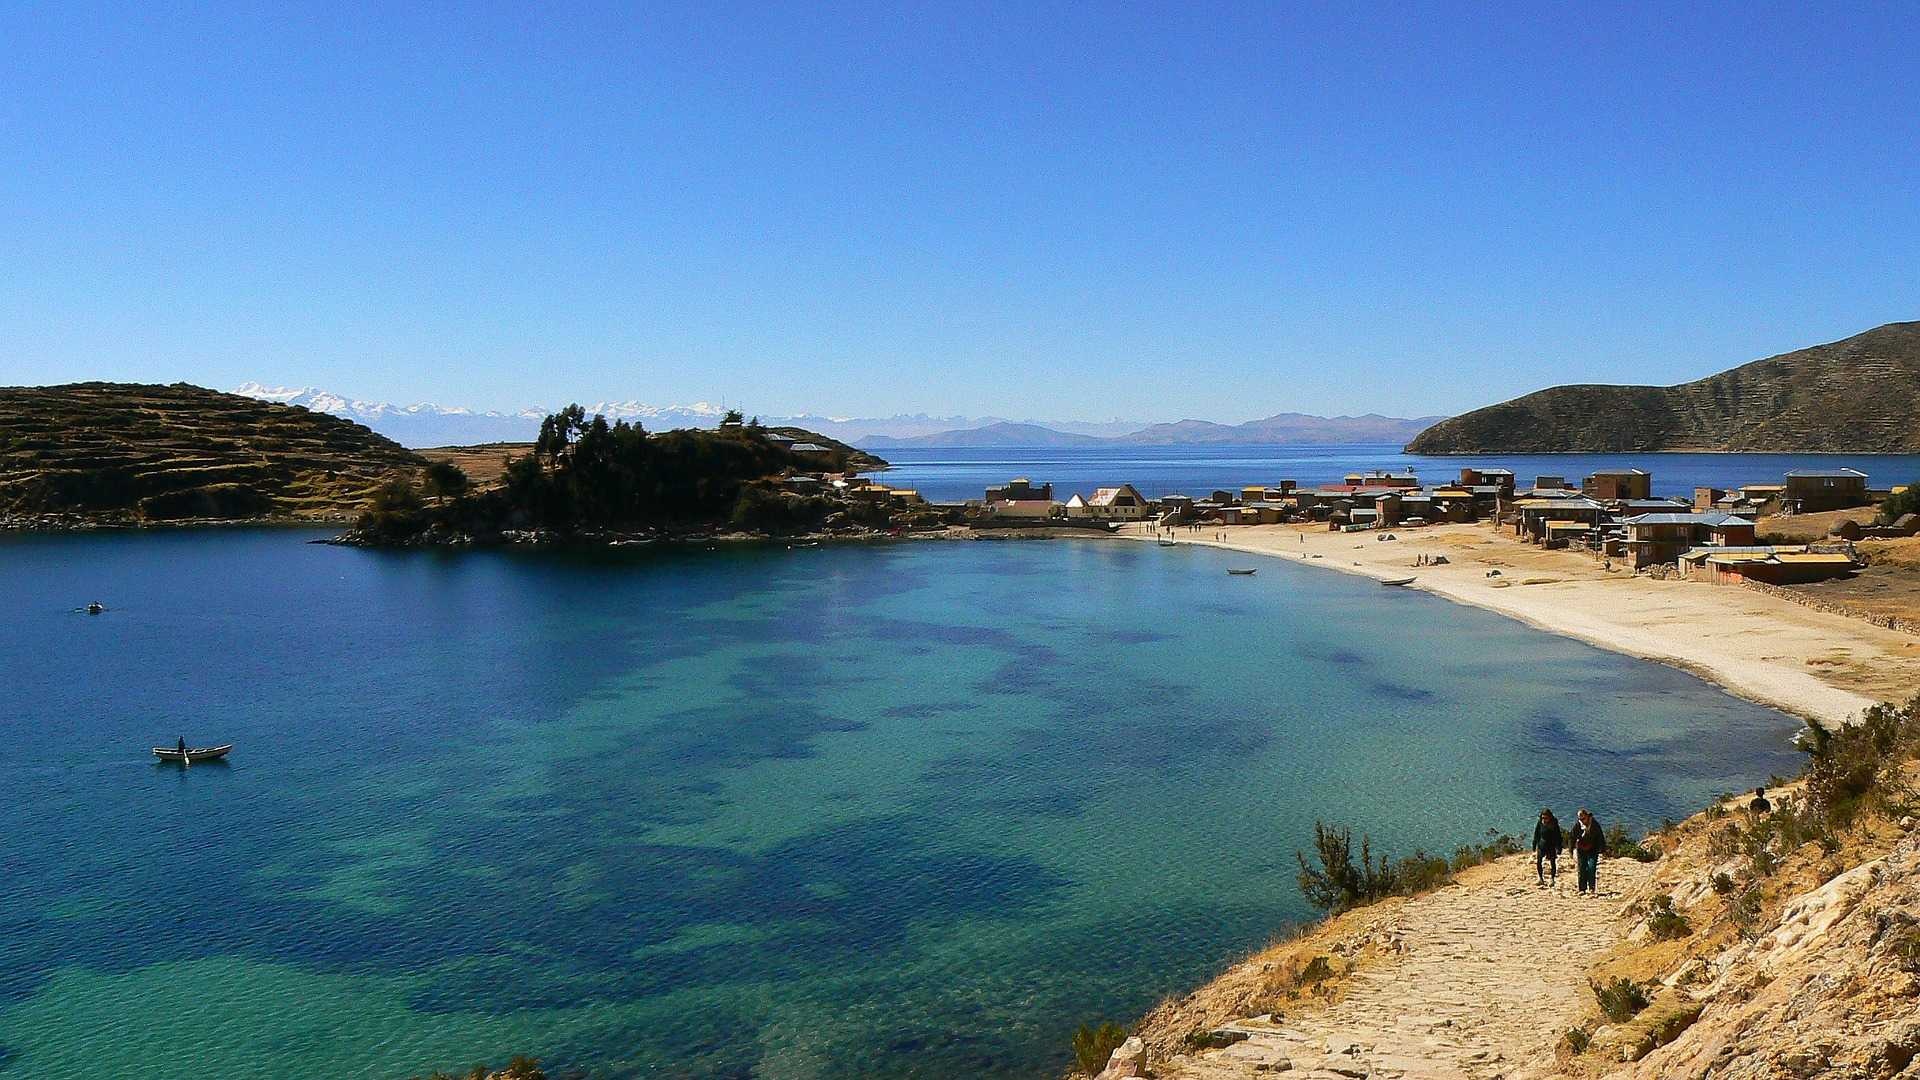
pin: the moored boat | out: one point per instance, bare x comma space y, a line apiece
1246, 572
192, 753
1398, 581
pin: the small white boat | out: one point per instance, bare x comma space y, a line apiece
1398, 581
1244, 573
1164, 542
191, 754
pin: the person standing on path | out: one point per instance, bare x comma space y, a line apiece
1589, 843
1546, 848
1760, 805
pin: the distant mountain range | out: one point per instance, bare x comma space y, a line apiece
1297, 429
1859, 395
438, 425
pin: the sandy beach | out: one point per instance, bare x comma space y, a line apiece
1822, 667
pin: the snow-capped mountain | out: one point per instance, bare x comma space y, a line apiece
427, 424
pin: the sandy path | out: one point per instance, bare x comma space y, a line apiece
1492, 971
1816, 665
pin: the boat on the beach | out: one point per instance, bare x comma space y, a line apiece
191, 754
1246, 572
1164, 542
1398, 581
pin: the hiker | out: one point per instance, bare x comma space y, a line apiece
1589, 843
1760, 805
1546, 848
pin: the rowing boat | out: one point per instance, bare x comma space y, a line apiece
191, 754
1244, 573
1398, 581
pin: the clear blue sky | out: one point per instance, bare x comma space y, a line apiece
1076, 211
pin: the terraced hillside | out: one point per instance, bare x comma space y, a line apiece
132, 453
1860, 395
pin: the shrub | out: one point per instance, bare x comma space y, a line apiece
1578, 1040
1745, 912
1899, 503
1620, 1000
1666, 924
1094, 1045
1722, 884
1622, 845
1338, 884
1861, 763
1316, 972
1197, 1041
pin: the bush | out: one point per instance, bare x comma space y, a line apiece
1578, 1040
1899, 503
1860, 763
1337, 884
1745, 912
1622, 845
1666, 924
1094, 1045
1620, 1000
1722, 884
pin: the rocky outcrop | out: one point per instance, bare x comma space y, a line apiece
1831, 990
1857, 395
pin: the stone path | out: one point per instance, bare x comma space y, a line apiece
1488, 977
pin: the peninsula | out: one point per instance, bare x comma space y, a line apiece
1861, 395
99, 453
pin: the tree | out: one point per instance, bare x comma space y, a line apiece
732, 419
445, 480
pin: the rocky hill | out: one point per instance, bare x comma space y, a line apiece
1860, 395
130, 453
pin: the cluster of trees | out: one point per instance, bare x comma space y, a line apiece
586, 475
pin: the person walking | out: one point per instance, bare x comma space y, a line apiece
1546, 848
1589, 843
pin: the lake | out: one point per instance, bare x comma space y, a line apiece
958, 474
915, 809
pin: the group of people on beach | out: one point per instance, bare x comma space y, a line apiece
1587, 840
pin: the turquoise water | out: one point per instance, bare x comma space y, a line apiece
908, 810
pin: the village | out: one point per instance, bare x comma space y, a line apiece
1611, 516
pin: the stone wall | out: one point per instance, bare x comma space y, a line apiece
1890, 622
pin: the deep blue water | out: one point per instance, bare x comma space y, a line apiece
958, 474
902, 810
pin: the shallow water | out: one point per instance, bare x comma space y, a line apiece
865, 811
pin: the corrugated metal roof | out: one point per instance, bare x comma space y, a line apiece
1817, 473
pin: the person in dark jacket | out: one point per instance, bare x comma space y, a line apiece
1589, 843
1546, 848
1760, 805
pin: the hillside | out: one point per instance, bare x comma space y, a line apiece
125, 452
1860, 395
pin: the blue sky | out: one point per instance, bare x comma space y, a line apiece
1075, 211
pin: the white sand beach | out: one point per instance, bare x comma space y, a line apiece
1823, 667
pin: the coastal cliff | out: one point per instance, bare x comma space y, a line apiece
1753, 943
1858, 395
124, 453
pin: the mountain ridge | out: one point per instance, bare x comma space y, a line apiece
1860, 394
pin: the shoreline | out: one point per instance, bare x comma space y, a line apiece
1818, 666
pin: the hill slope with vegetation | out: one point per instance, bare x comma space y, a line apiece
132, 453
1860, 395
587, 479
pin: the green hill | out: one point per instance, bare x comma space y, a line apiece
124, 452
1860, 395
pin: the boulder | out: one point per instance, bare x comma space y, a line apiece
1130, 1060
